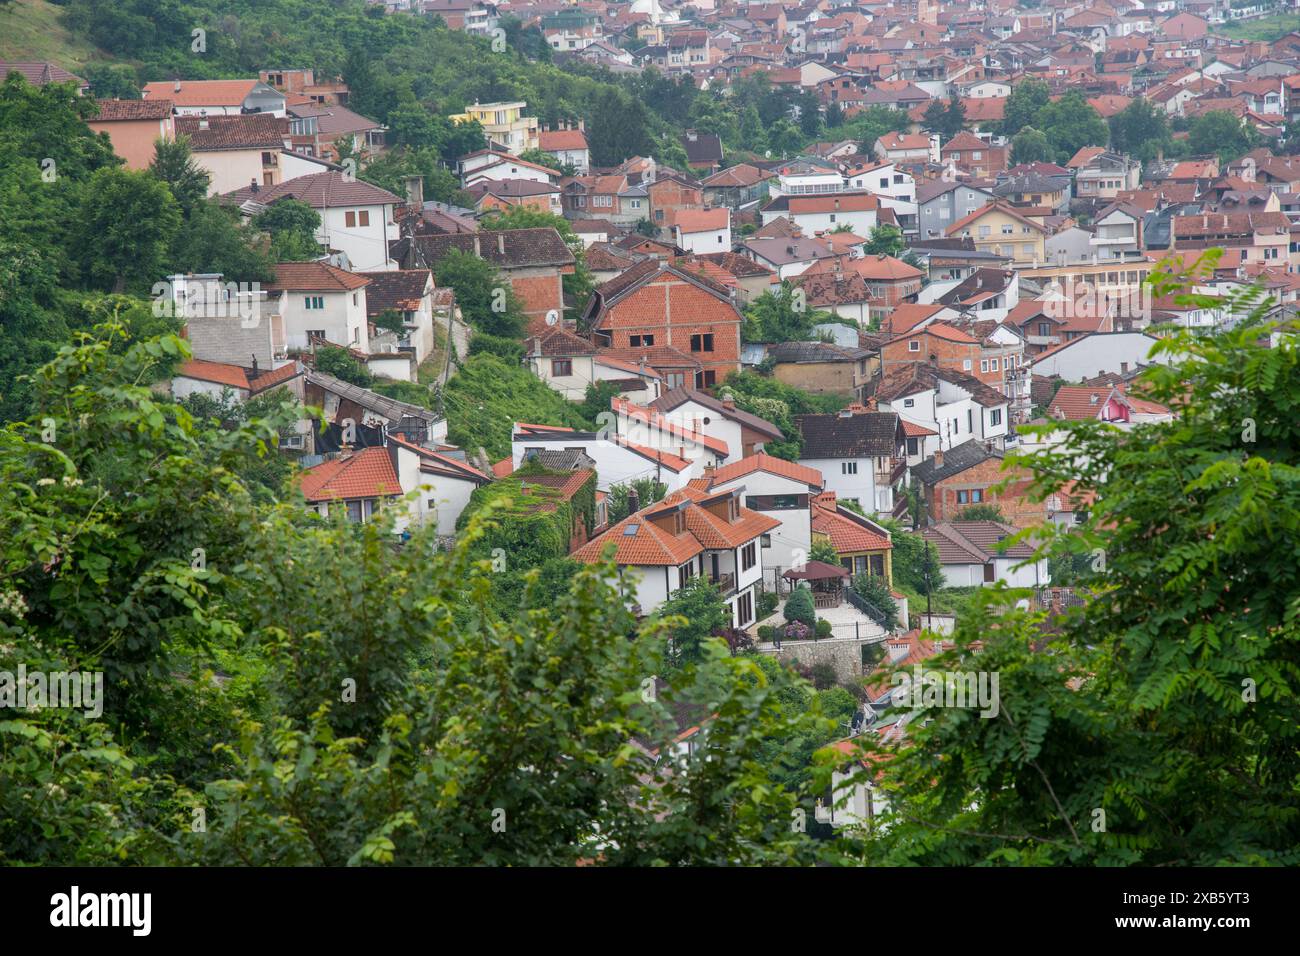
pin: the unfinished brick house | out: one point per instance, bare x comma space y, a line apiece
673, 318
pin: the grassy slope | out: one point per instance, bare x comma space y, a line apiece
30, 30
1265, 28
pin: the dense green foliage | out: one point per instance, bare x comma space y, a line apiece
776, 402
1158, 726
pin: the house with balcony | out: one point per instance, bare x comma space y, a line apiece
691, 533
1117, 231
236, 150
1001, 229
318, 129
570, 364
778, 489
737, 187
859, 211
503, 124
618, 458
1104, 175
939, 204
861, 455
743, 434
954, 405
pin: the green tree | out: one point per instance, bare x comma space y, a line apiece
1140, 130
874, 589
1220, 133
692, 614
125, 224
648, 491
339, 362
1031, 146
292, 226
1027, 99
579, 284
781, 316
1071, 123
822, 550
174, 165
486, 300
1170, 714
885, 240
982, 512
617, 128
799, 607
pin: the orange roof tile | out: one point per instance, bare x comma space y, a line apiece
367, 473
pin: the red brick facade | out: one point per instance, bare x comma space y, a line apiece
669, 309
977, 485
935, 349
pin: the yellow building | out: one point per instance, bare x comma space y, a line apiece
1002, 230
504, 124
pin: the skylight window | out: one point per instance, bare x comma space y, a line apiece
631, 530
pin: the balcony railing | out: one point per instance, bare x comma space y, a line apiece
726, 583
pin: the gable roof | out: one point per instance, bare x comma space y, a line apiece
761, 461
399, 289
250, 131
127, 110
971, 542
327, 190
201, 92
314, 277
955, 460
859, 435
505, 249
367, 473
676, 397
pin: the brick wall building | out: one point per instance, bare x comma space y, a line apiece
656, 306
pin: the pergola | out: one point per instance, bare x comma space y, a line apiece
825, 580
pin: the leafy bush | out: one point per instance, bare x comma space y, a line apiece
799, 607
824, 629
767, 602
766, 632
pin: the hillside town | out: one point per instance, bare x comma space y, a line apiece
792, 367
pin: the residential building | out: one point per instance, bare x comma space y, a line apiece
134, 126
861, 455
504, 124
217, 97
972, 554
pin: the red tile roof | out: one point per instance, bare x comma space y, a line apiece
314, 277
848, 533
201, 92
216, 372
761, 462
367, 473
126, 110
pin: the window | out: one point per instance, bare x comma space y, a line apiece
706, 379
702, 342
984, 365
977, 154
993, 365
965, 365
995, 417
640, 341
745, 608
909, 402
363, 217
315, 334
1044, 328
914, 346
1008, 230
848, 468
314, 302
350, 219
913, 446
977, 495
884, 182
676, 379
963, 497
766, 541
984, 231
561, 367
970, 420
776, 502
748, 556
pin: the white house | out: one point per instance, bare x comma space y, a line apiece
702, 231
779, 489
318, 301
618, 460
367, 480
410, 294
217, 97
236, 151
861, 455
691, 533
743, 434
356, 217
1095, 353
971, 557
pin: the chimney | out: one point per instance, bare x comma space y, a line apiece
938, 458
345, 452
415, 191
501, 243
177, 87
253, 185
633, 501
477, 251
898, 650
203, 123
